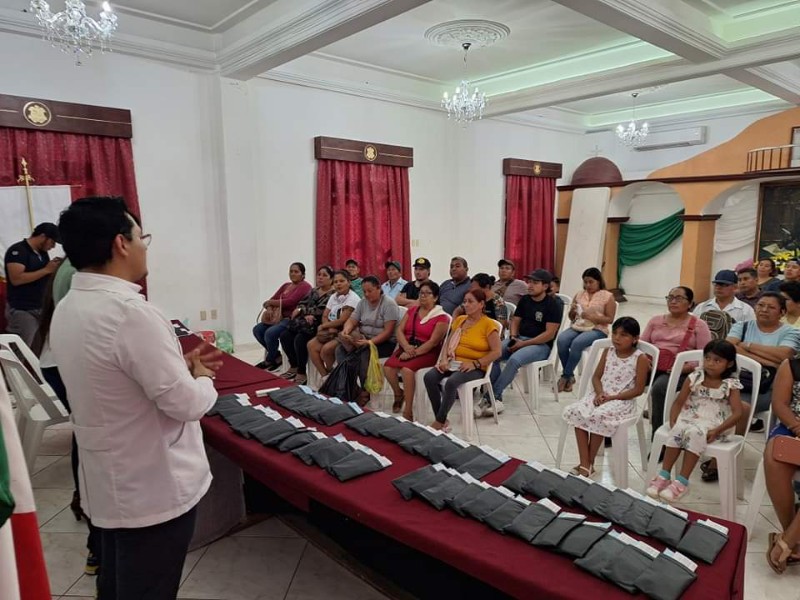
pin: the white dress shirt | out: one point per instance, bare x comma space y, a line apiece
738, 310
135, 406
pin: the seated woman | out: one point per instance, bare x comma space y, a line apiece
767, 271
419, 339
322, 348
303, 326
784, 547
277, 311
591, 312
672, 333
372, 322
790, 290
495, 305
473, 345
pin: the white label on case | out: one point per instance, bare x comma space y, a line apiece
496, 454
401, 419
243, 399
598, 525
319, 435
467, 477
713, 525
608, 486
617, 535
439, 467
684, 560
340, 438
649, 500
549, 504
624, 537
522, 500
633, 493
674, 510
334, 400
306, 389
457, 440
380, 414
558, 472
505, 491
483, 484
571, 515
355, 407
536, 465
647, 549
385, 462
295, 422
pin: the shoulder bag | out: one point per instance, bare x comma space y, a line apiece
666, 358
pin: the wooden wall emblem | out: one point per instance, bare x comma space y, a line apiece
364, 152
531, 168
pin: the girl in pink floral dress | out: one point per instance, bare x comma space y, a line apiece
620, 377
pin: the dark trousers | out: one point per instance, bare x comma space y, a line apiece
145, 563
442, 403
268, 336
295, 344
53, 377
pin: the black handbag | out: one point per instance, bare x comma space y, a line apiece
746, 377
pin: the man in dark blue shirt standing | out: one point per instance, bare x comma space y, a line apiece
28, 267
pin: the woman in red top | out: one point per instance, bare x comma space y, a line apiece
286, 300
419, 339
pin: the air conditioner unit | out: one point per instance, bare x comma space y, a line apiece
677, 138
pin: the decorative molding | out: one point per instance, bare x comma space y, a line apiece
783, 173
328, 148
66, 117
478, 32
532, 168
686, 218
618, 219
308, 31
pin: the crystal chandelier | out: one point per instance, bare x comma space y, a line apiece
632, 135
467, 103
73, 31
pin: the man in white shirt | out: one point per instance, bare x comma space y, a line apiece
136, 405
725, 287
394, 283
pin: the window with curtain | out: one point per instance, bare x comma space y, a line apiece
362, 213
530, 228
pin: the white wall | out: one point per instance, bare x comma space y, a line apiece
175, 170
650, 204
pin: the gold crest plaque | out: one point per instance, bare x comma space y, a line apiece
537, 169
37, 114
370, 152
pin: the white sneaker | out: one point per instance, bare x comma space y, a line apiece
479, 410
488, 412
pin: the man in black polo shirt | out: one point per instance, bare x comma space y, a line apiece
533, 330
409, 295
27, 267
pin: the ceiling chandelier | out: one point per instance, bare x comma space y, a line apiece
72, 30
632, 134
467, 103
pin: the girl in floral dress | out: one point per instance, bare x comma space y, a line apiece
620, 377
706, 408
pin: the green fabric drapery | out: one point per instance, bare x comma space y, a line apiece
638, 243
6, 499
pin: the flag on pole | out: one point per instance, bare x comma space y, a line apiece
23, 574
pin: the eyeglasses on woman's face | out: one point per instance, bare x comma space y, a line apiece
672, 298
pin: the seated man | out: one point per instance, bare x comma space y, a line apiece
533, 331
394, 283
508, 286
749, 291
351, 266
725, 300
409, 296
451, 292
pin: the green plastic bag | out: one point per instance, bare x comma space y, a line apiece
224, 341
374, 382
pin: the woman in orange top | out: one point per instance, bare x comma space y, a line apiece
473, 345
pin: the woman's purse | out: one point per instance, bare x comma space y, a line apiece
272, 314
666, 358
786, 449
767, 373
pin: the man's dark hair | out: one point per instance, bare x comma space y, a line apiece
748, 271
90, 225
791, 289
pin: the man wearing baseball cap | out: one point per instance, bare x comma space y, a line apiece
351, 266
394, 283
508, 286
725, 300
533, 329
409, 295
28, 267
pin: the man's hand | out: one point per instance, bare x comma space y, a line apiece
208, 356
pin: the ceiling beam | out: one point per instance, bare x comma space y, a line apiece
311, 28
660, 72
669, 24
771, 79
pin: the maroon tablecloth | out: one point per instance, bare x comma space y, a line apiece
504, 562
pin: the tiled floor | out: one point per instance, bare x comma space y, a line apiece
232, 568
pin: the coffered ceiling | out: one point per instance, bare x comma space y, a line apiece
574, 60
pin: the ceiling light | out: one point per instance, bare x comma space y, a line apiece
72, 30
633, 134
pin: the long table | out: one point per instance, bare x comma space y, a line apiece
504, 562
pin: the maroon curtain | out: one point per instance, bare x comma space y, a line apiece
95, 165
530, 230
362, 213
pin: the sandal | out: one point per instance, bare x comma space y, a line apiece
561, 384
579, 470
300, 379
290, 374
568, 386
779, 566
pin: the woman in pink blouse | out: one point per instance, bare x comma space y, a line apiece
286, 299
672, 333
591, 311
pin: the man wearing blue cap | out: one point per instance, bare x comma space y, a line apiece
725, 286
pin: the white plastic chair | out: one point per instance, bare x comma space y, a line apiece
11, 341
532, 371
37, 405
760, 487
585, 353
730, 465
620, 438
511, 309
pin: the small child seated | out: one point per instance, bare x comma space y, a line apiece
707, 406
620, 377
